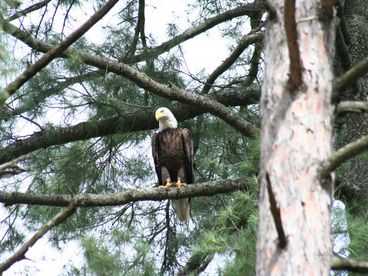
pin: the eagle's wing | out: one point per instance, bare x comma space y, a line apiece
155, 153
187, 141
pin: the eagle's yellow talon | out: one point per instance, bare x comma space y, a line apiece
180, 184
167, 185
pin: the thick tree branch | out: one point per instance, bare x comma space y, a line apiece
295, 71
351, 106
192, 32
54, 52
347, 152
20, 254
243, 44
137, 121
351, 76
126, 196
338, 263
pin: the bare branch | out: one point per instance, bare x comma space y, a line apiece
13, 162
54, 52
20, 254
352, 106
28, 10
126, 196
141, 14
243, 44
10, 168
348, 78
254, 64
192, 32
138, 29
295, 71
347, 152
338, 263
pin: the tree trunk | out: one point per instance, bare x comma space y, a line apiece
294, 208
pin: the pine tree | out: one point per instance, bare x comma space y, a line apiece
77, 113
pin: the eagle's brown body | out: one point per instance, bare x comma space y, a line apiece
173, 155
172, 150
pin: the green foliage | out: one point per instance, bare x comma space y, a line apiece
13, 236
233, 232
100, 259
358, 246
105, 257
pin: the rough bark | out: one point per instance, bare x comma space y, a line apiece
294, 208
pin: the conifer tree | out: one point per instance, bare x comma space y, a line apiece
80, 82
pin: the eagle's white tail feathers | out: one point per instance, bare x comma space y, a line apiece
181, 207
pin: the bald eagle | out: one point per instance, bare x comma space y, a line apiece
172, 150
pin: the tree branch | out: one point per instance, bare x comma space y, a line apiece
54, 52
11, 168
138, 29
192, 32
27, 10
295, 71
338, 263
275, 211
254, 65
347, 152
351, 106
243, 44
126, 196
350, 76
196, 264
136, 121
20, 254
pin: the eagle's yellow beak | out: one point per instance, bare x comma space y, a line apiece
159, 114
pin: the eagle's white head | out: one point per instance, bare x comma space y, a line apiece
165, 118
